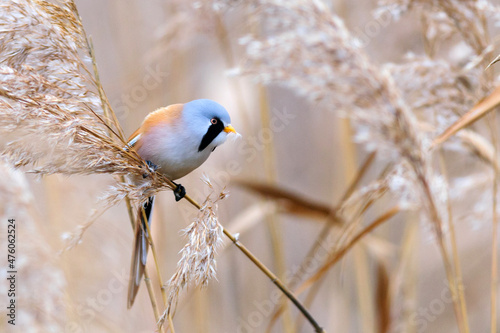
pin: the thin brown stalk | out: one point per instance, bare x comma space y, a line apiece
454, 250
339, 254
155, 257
290, 202
408, 279
170, 323
147, 280
273, 220
274, 279
477, 112
309, 299
363, 290
450, 274
333, 219
383, 299
154, 305
494, 245
361, 266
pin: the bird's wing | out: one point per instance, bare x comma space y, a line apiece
134, 138
165, 115
140, 252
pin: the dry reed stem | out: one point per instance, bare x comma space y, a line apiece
479, 146
333, 219
309, 299
152, 297
289, 202
273, 221
383, 304
346, 234
407, 278
494, 245
477, 112
274, 279
170, 323
453, 240
365, 297
340, 253
365, 294
155, 257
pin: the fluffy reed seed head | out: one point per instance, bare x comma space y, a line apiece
309, 49
51, 115
198, 264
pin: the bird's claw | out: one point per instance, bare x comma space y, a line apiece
179, 192
152, 168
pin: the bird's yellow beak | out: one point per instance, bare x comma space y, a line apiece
230, 129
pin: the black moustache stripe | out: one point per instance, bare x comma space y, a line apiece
211, 134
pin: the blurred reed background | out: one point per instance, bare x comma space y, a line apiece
312, 105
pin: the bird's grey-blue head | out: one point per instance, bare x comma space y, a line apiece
207, 109
211, 121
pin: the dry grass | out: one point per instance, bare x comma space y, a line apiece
197, 263
36, 265
365, 246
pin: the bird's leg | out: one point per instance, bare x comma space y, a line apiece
179, 191
152, 168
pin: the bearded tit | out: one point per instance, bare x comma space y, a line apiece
174, 140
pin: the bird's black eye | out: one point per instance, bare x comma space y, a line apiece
216, 126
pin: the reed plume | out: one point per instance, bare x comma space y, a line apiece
50, 108
323, 62
197, 264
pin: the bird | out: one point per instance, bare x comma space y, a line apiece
174, 141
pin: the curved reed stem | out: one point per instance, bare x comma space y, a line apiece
274, 279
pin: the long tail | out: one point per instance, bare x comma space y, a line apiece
140, 253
